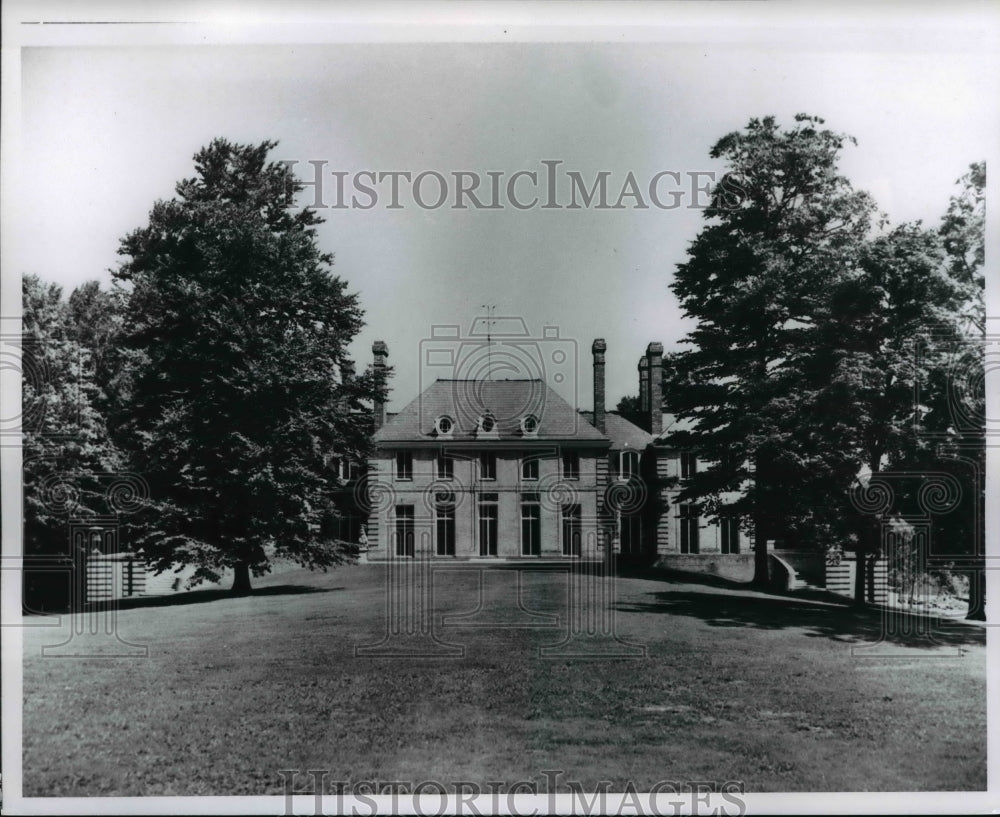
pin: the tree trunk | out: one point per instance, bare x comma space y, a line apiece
859, 574
861, 563
977, 596
241, 578
871, 533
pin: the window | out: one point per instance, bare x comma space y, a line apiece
689, 528
404, 530
444, 425
445, 512
488, 526
531, 526
629, 465
345, 528
529, 425
631, 533
345, 469
445, 467
571, 465
730, 529
404, 465
529, 468
572, 531
487, 465
689, 465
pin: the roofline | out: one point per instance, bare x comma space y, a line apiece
495, 444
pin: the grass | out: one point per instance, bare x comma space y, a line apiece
736, 685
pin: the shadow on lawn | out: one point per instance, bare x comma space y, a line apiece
662, 574
741, 607
213, 594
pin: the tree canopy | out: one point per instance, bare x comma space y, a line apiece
237, 401
65, 442
753, 280
822, 339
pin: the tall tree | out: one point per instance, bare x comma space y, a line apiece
887, 327
877, 371
782, 226
65, 442
236, 403
956, 417
963, 230
96, 318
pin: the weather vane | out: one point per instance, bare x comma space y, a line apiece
490, 308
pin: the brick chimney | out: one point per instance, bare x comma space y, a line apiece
644, 386
381, 352
598, 350
654, 354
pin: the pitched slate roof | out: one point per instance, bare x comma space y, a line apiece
622, 433
508, 400
672, 424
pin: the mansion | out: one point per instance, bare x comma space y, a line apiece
507, 470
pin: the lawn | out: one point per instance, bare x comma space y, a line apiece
782, 694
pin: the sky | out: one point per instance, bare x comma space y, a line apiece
108, 127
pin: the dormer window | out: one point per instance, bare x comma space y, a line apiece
529, 425
487, 426
628, 464
444, 426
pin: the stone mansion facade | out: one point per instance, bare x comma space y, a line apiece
508, 470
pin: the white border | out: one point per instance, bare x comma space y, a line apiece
958, 26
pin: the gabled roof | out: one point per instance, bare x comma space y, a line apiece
623, 433
508, 400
